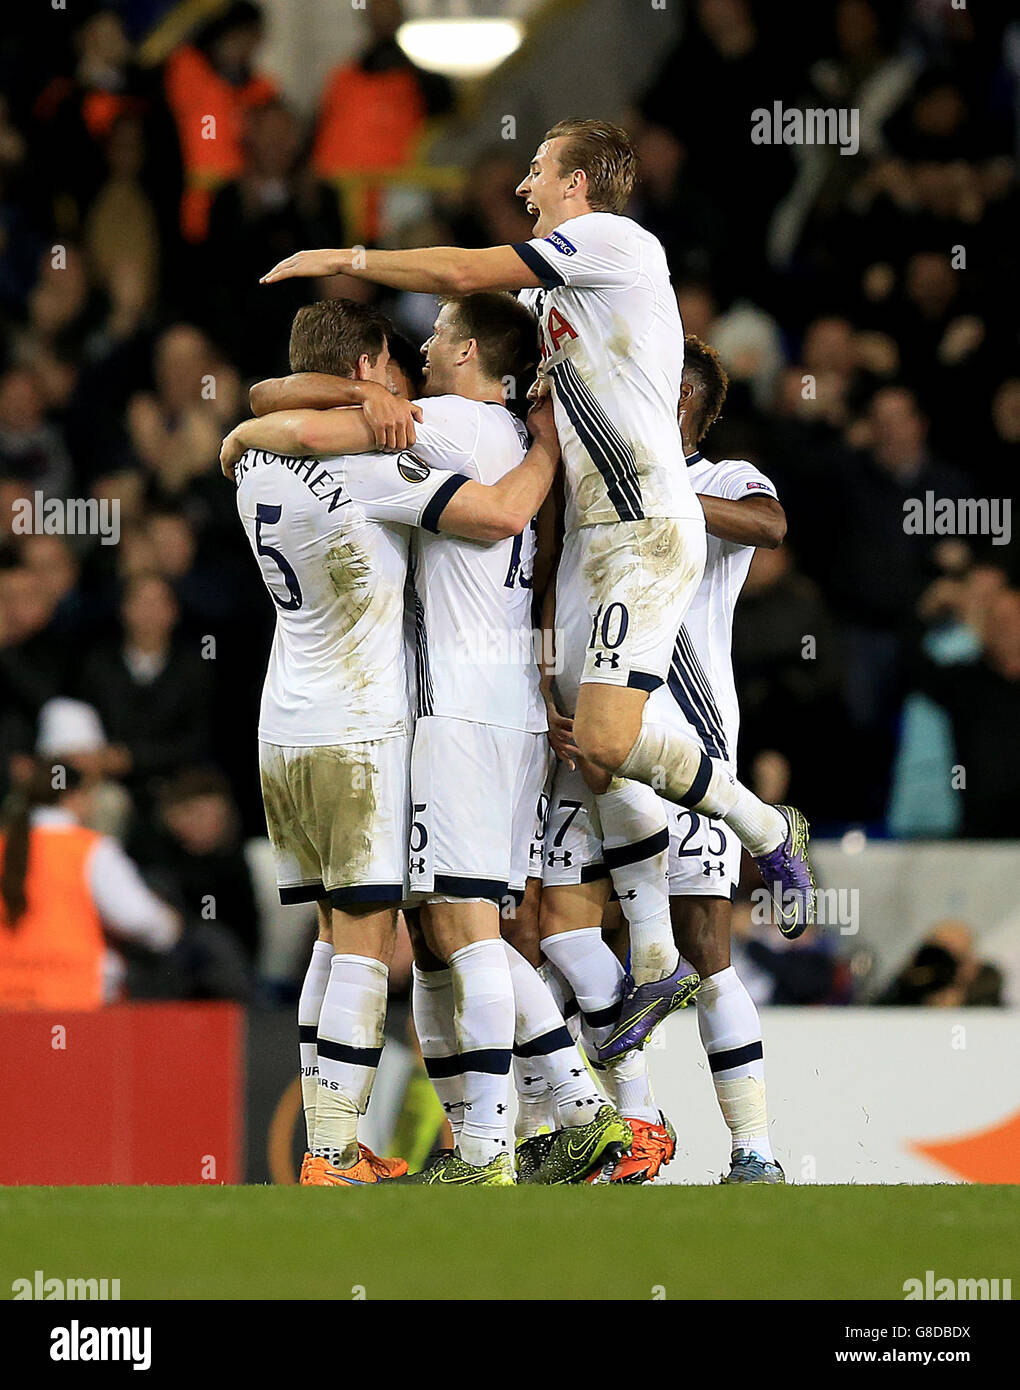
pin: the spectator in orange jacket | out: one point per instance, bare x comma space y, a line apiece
373, 109
62, 888
211, 85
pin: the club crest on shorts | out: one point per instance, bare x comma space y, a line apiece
411, 468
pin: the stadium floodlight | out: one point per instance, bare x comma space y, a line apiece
460, 46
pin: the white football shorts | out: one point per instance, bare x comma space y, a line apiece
338, 819
622, 590
477, 807
704, 855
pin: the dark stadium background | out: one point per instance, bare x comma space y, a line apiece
799, 266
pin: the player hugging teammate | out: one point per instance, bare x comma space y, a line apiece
644, 736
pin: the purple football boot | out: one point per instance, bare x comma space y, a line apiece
643, 1007
786, 873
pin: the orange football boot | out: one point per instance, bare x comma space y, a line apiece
319, 1172
304, 1167
385, 1167
653, 1147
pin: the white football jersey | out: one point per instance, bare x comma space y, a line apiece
700, 696
331, 537
613, 347
476, 658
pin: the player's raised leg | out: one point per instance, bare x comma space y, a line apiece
611, 732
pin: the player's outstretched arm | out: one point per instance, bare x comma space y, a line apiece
392, 418
497, 511
299, 434
433, 269
757, 521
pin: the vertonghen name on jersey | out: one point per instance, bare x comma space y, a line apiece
321, 483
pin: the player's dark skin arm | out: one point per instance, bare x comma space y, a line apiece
476, 511
548, 541
757, 521
390, 417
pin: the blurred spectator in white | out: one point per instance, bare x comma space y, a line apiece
71, 733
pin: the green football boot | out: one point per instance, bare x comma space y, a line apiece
451, 1170
570, 1155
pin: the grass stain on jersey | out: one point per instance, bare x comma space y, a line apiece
350, 574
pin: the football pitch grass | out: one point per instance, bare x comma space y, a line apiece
754, 1242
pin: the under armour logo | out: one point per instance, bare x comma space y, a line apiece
565, 858
629, 896
417, 866
500, 1109
576, 1071
607, 659
710, 868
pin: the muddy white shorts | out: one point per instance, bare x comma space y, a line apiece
622, 590
338, 820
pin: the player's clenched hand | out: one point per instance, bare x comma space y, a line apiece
391, 417
305, 263
539, 388
542, 424
230, 451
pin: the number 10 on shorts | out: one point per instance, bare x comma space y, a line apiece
608, 629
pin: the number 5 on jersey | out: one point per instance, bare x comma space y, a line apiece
267, 515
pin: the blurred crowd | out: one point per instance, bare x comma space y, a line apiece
864, 307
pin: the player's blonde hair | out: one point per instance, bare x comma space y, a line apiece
605, 155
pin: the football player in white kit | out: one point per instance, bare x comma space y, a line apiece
479, 758
331, 536
634, 548
742, 511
